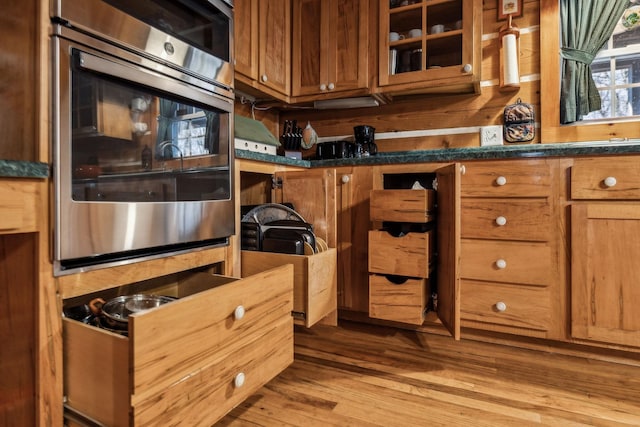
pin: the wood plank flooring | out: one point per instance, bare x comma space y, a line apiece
359, 375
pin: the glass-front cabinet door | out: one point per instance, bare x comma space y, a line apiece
430, 46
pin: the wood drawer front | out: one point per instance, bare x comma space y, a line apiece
521, 178
315, 280
18, 201
408, 255
209, 394
592, 178
415, 206
528, 263
506, 219
176, 340
510, 305
106, 374
404, 302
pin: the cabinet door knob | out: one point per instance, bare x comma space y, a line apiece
467, 68
501, 220
238, 381
331, 86
501, 264
500, 306
323, 87
610, 181
501, 180
463, 169
238, 313
264, 77
345, 179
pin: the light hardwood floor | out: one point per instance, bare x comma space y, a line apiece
358, 375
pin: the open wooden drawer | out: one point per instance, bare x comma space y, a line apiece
315, 291
187, 362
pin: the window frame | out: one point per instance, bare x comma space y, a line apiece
551, 131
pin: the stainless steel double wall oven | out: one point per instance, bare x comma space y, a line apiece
142, 129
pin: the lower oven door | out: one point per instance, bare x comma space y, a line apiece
142, 159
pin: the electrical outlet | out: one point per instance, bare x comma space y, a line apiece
490, 135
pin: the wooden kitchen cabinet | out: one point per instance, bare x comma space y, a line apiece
353, 187
512, 257
423, 61
427, 236
330, 56
313, 195
21, 211
262, 41
188, 361
605, 225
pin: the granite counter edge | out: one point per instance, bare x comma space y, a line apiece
23, 169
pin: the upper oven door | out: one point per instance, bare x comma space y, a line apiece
193, 36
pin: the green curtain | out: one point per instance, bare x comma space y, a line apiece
585, 27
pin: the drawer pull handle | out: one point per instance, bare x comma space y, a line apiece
500, 306
501, 221
501, 264
610, 181
501, 180
238, 381
238, 313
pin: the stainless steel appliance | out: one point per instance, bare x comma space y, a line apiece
142, 129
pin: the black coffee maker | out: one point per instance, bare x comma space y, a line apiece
365, 145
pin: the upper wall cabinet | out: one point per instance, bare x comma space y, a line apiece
330, 49
262, 36
430, 46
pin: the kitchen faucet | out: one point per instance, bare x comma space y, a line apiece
168, 143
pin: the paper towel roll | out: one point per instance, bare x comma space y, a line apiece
511, 74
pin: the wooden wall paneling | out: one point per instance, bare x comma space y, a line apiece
423, 113
18, 272
18, 67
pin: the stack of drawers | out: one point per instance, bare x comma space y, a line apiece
507, 266
399, 263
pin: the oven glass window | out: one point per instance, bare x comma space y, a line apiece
197, 23
134, 144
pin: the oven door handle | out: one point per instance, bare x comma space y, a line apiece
144, 77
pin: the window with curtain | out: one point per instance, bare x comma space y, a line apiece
590, 83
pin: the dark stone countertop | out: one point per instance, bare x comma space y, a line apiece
22, 169
459, 154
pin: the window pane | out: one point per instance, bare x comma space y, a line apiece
619, 59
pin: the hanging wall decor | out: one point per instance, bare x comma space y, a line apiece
508, 8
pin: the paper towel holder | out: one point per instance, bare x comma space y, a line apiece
509, 36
